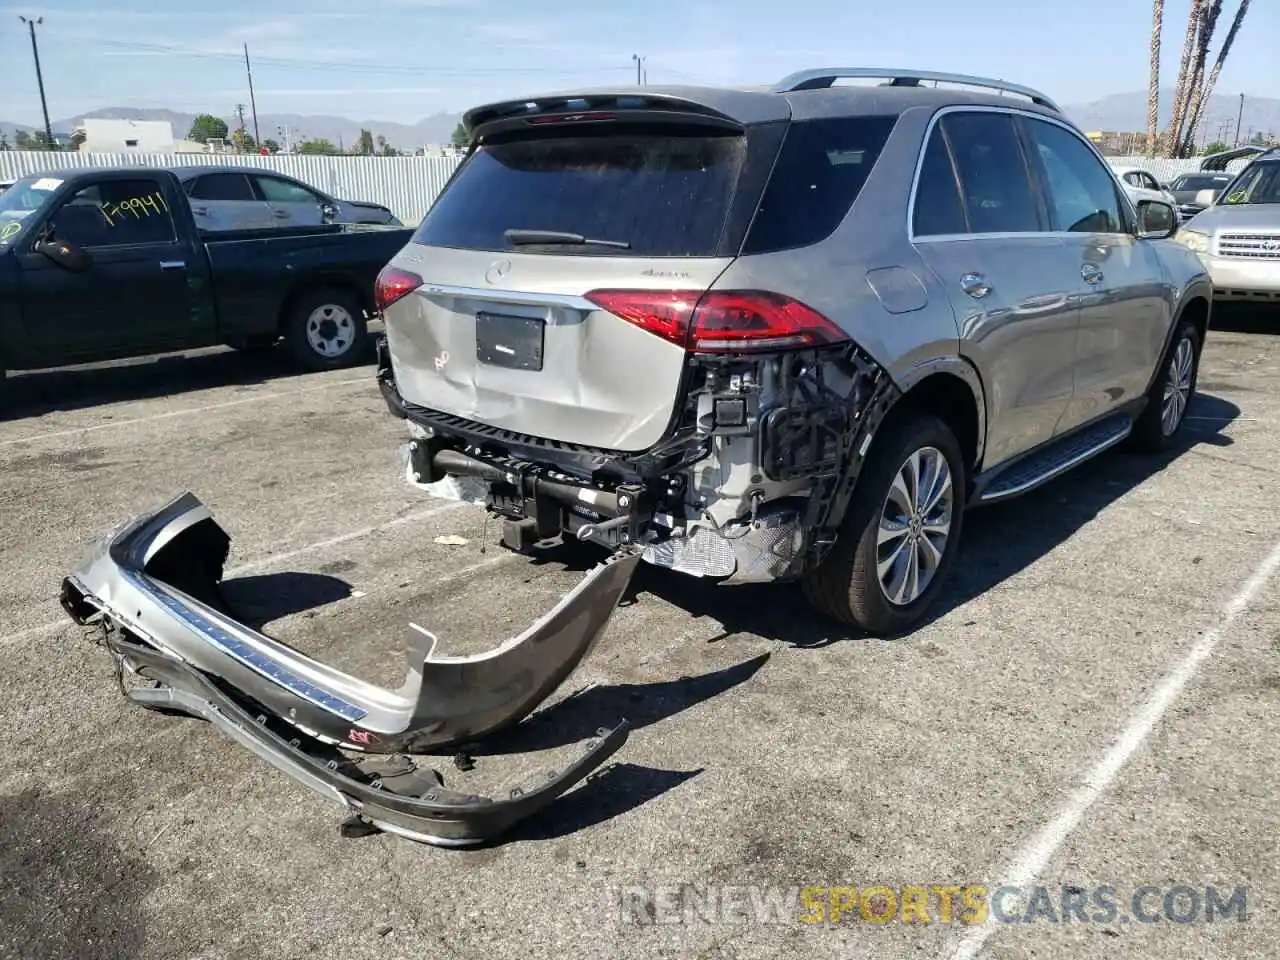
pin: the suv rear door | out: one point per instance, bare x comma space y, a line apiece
979, 223
291, 203
502, 330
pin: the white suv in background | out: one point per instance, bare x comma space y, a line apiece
1141, 185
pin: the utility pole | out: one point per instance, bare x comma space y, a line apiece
35, 52
252, 103
1239, 117
240, 129
639, 67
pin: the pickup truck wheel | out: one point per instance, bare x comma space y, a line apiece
901, 531
1161, 420
326, 329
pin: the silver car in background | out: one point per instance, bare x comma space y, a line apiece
251, 198
1141, 184
785, 335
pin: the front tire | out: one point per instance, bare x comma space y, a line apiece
901, 532
326, 329
1162, 419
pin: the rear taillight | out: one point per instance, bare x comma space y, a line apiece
393, 284
662, 312
722, 321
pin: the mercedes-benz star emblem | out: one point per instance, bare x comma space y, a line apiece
497, 270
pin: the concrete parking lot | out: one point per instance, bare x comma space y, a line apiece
1095, 704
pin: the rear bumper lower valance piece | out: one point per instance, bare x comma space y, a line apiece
152, 585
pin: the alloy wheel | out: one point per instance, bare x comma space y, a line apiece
915, 526
1177, 386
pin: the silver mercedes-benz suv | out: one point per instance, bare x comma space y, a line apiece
786, 334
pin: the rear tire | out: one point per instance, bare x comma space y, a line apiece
1161, 421
326, 329
890, 518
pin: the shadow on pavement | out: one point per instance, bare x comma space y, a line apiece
66, 889
258, 600
611, 792
1233, 317
579, 715
998, 542
39, 392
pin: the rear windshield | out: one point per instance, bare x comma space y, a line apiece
664, 195
1201, 182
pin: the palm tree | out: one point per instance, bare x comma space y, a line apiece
1153, 87
1180, 89
1185, 145
1206, 89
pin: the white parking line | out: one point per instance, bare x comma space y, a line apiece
186, 412
54, 625
1035, 855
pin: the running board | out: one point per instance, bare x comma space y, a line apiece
1041, 467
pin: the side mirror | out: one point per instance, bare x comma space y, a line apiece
328, 211
1156, 219
64, 254
1205, 198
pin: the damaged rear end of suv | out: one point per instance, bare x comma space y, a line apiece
611, 327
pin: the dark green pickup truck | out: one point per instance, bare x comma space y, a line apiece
99, 264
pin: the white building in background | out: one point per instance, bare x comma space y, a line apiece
133, 136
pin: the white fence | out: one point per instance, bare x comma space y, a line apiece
1165, 170
406, 185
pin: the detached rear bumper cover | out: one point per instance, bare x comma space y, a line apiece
153, 582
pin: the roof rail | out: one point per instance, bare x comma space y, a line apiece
826, 76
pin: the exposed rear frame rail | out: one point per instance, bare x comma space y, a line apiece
823, 77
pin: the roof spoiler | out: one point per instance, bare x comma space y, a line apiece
607, 106
823, 77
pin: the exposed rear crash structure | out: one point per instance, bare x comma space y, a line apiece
151, 586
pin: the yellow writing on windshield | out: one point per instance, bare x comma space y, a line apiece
9, 231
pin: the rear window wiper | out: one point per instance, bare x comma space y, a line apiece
536, 237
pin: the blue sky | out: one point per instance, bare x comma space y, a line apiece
401, 60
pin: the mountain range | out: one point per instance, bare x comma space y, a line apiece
1124, 112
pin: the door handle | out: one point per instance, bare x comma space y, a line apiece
280, 213
1090, 273
975, 285
200, 211
173, 264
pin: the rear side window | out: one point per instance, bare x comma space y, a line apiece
223, 186
663, 193
820, 172
275, 190
939, 209
993, 173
